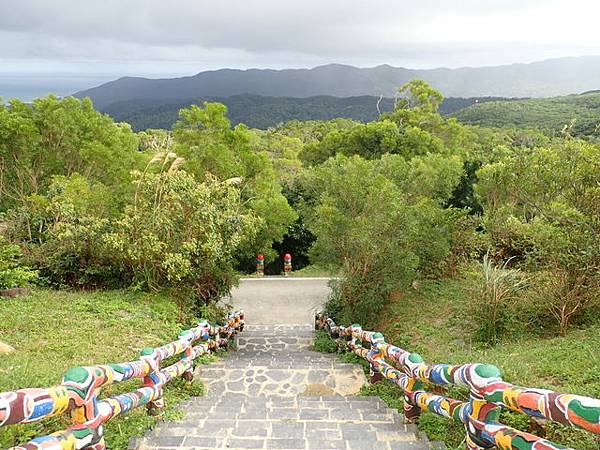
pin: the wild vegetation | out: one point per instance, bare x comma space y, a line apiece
578, 115
263, 112
52, 333
506, 219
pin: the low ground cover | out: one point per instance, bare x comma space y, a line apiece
55, 330
433, 321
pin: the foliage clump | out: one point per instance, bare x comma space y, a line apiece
181, 233
494, 293
12, 274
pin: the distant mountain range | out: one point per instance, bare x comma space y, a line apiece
263, 112
560, 76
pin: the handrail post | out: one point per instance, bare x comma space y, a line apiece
412, 411
481, 412
153, 380
187, 354
83, 384
376, 354
374, 375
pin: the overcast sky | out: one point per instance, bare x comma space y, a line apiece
171, 37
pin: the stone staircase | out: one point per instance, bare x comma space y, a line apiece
275, 392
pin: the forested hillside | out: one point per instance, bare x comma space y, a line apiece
263, 112
560, 76
579, 113
490, 235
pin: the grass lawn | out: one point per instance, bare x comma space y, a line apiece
434, 322
55, 330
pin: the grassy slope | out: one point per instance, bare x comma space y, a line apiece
433, 321
53, 331
550, 114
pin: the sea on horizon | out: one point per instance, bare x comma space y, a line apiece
27, 86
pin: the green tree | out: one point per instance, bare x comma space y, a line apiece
381, 228
418, 95
183, 234
369, 140
283, 152
60, 137
204, 137
424, 130
542, 205
357, 218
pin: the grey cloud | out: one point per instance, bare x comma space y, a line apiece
247, 33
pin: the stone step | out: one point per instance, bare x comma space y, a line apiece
195, 442
208, 426
273, 343
275, 392
296, 358
386, 430
265, 360
265, 381
239, 405
269, 339
278, 330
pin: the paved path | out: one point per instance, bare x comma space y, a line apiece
275, 392
279, 300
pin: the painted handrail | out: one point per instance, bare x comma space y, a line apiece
80, 387
488, 393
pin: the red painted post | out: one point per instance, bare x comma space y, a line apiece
287, 264
260, 265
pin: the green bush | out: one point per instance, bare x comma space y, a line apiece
356, 220
560, 299
63, 233
323, 343
12, 274
75, 256
542, 206
376, 221
203, 136
183, 234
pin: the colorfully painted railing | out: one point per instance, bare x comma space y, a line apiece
80, 389
488, 393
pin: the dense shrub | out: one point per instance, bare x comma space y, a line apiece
75, 255
12, 274
63, 232
183, 234
205, 138
560, 299
378, 229
542, 206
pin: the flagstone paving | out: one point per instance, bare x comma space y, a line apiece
276, 392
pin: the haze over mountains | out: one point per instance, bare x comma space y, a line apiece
539, 79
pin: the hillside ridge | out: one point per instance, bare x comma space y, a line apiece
552, 77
